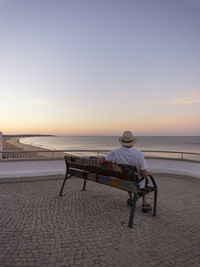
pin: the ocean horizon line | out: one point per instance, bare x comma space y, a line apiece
88, 135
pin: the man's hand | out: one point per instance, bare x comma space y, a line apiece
144, 173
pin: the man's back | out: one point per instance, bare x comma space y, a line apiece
127, 156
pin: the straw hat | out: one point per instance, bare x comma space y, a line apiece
128, 139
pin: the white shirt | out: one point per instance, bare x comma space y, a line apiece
129, 156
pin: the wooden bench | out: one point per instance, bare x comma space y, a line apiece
120, 176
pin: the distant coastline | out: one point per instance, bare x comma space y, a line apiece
11, 142
26, 135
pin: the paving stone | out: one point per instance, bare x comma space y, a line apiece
39, 228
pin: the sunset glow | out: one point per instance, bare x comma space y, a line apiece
100, 67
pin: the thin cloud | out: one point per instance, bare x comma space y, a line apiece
48, 103
66, 110
124, 94
43, 102
192, 99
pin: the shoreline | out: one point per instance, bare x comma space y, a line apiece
13, 143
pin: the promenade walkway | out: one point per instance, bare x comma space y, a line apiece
38, 228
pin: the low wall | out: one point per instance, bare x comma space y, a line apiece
178, 167
32, 168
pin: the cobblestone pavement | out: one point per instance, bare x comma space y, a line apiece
39, 228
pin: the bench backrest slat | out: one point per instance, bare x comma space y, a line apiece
101, 171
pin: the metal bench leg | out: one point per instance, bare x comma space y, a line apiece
84, 185
155, 202
131, 218
155, 194
66, 177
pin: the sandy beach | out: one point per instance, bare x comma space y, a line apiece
12, 143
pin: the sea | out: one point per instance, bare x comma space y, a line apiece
154, 143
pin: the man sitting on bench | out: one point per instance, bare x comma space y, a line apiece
127, 155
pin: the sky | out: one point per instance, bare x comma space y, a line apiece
99, 67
